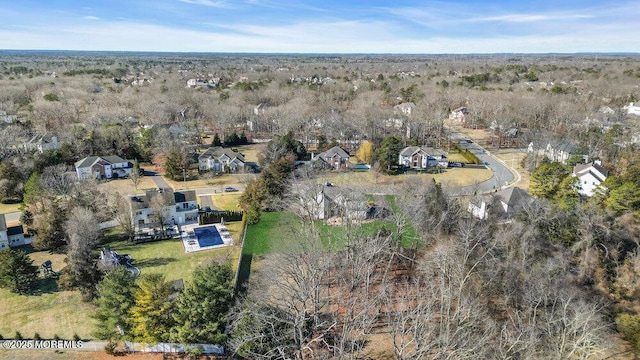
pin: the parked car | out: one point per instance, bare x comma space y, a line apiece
230, 189
456, 164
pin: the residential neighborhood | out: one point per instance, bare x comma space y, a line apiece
159, 201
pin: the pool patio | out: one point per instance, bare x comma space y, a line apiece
190, 240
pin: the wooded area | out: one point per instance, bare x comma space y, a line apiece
558, 280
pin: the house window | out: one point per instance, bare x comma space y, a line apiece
185, 205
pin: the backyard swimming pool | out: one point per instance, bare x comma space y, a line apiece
208, 236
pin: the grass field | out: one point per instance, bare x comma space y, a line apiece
125, 186
226, 201
276, 231
451, 177
63, 313
168, 257
7, 208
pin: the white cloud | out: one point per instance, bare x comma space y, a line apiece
210, 3
311, 37
88, 17
521, 18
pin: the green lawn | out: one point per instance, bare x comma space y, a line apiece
168, 257
276, 230
52, 312
272, 231
7, 208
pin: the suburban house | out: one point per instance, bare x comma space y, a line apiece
633, 108
420, 158
330, 202
221, 159
502, 204
459, 114
562, 151
405, 108
590, 177
194, 83
42, 143
335, 158
11, 236
178, 207
103, 167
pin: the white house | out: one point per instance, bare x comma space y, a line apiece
217, 159
504, 203
562, 151
405, 108
178, 207
42, 143
459, 114
633, 108
590, 177
11, 236
330, 202
103, 167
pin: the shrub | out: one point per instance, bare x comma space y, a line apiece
76, 337
56, 337
629, 326
18, 336
37, 336
110, 348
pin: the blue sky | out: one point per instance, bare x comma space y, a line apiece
288, 26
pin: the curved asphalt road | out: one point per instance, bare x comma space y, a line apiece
502, 175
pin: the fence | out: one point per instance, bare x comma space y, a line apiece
217, 216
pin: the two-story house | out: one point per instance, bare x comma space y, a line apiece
422, 157
590, 177
42, 143
11, 235
103, 167
176, 207
335, 158
220, 159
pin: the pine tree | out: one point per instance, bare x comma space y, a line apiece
202, 306
216, 140
17, 272
115, 301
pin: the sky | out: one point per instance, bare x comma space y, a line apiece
331, 26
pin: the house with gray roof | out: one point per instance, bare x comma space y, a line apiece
217, 159
590, 177
11, 235
422, 157
561, 151
42, 143
335, 158
501, 204
178, 207
103, 167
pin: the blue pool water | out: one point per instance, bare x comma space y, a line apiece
208, 236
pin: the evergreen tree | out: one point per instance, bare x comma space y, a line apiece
216, 140
546, 180
202, 306
50, 232
150, 317
243, 139
115, 301
17, 272
387, 154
